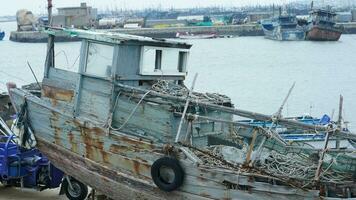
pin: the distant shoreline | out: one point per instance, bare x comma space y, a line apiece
223, 31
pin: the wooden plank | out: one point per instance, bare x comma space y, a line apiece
159, 126
59, 84
252, 145
62, 75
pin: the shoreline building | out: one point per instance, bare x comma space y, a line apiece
77, 17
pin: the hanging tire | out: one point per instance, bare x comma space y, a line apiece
79, 191
167, 174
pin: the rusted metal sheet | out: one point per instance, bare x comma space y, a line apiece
59, 94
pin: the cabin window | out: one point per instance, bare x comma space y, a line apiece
67, 57
99, 59
163, 61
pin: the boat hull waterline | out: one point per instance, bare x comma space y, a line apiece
323, 34
285, 35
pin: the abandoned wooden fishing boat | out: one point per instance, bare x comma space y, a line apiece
126, 125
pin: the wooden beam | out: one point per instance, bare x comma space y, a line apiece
252, 144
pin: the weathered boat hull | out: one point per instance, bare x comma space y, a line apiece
285, 35
323, 34
119, 165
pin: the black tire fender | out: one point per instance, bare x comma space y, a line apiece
174, 165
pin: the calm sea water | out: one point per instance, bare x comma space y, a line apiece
256, 73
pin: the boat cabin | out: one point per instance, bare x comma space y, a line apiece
113, 84
287, 21
322, 17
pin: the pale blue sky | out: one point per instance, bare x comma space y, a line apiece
37, 6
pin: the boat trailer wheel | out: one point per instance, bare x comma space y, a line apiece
77, 190
167, 174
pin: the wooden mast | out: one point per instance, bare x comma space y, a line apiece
50, 45
49, 10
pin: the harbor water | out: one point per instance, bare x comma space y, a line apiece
255, 72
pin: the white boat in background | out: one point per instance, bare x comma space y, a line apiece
187, 35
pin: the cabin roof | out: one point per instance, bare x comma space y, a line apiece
323, 12
116, 38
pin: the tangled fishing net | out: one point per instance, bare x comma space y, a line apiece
300, 167
171, 88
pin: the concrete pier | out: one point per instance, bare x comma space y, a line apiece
233, 30
37, 37
230, 30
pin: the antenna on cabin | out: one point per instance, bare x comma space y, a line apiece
34, 75
280, 11
312, 5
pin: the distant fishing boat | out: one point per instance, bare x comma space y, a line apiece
283, 27
296, 135
187, 35
2, 35
322, 26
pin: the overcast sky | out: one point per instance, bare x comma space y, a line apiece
38, 6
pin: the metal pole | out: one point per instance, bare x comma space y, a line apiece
185, 108
49, 9
322, 155
279, 113
50, 44
339, 121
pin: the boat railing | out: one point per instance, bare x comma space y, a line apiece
242, 113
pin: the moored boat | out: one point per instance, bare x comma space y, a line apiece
187, 35
126, 125
283, 27
313, 138
321, 26
2, 35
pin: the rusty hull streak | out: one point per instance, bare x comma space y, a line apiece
74, 144
135, 144
57, 93
57, 131
106, 174
93, 145
114, 148
91, 137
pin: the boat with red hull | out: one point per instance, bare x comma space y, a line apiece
322, 26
